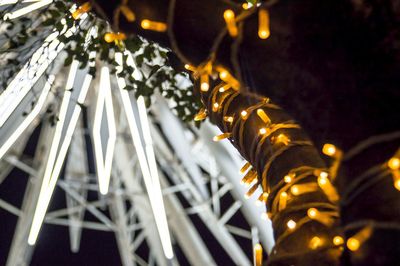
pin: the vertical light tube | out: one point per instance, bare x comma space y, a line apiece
45, 194
144, 166
28, 119
104, 100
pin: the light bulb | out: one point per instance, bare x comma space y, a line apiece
394, 163
291, 224
338, 240
262, 131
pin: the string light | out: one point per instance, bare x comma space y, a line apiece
315, 242
291, 224
263, 198
327, 187
262, 131
258, 254
355, 242
224, 88
245, 167
264, 117
338, 241
251, 191
215, 107
84, 8
243, 114
228, 119
322, 217
329, 149
249, 177
127, 12
229, 17
114, 37
247, 6
394, 163
204, 80
222, 136
201, 115
281, 138
225, 76
190, 67
299, 189
263, 24
153, 25
289, 177
282, 200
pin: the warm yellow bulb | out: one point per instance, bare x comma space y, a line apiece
288, 179
246, 6
291, 224
263, 24
397, 184
338, 240
329, 149
229, 14
222, 136
353, 244
262, 131
153, 25
109, 37
312, 212
145, 24
315, 242
204, 86
228, 119
223, 74
394, 163
295, 190
258, 252
129, 15
243, 113
264, 117
190, 67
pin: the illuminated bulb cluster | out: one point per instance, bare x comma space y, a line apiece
263, 24
153, 25
229, 17
114, 37
81, 10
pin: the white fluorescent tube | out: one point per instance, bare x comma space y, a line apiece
164, 232
155, 202
44, 197
28, 119
27, 9
104, 100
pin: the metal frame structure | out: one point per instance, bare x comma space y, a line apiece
192, 172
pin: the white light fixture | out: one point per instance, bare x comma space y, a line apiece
28, 119
27, 9
49, 183
156, 205
104, 101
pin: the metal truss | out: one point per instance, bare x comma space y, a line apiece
190, 164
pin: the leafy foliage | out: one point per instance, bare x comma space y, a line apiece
150, 59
